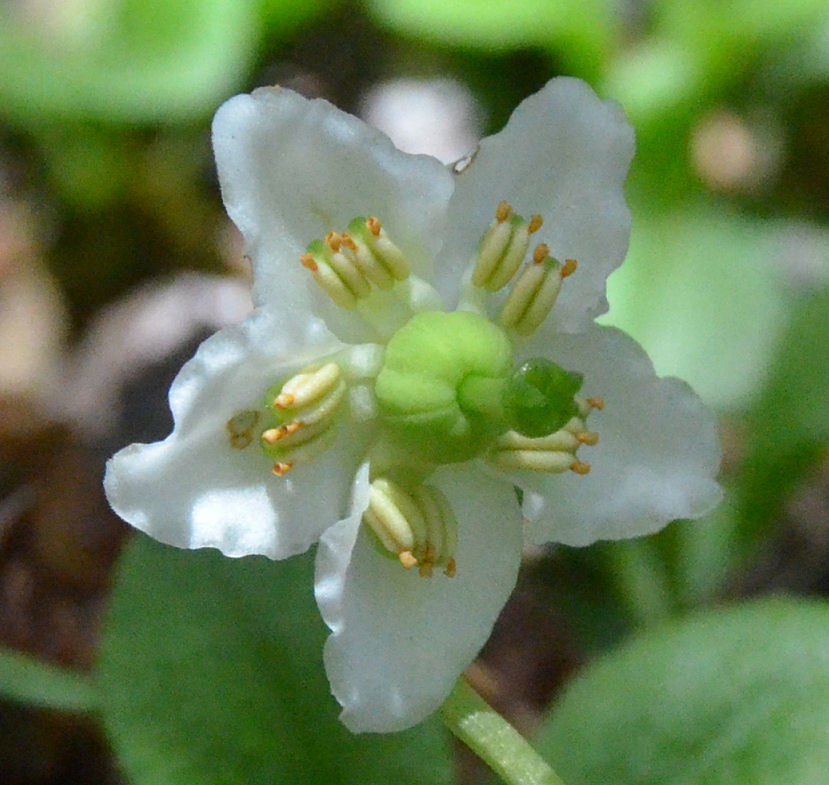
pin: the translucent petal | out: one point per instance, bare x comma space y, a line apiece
400, 641
195, 490
657, 455
564, 154
293, 169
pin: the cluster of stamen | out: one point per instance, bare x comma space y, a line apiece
414, 523
346, 264
552, 454
306, 407
500, 254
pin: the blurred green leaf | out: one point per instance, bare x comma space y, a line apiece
739, 695
700, 292
580, 30
24, 679
133, 60
212, 673
790, 424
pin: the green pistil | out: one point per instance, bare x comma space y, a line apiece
442, 382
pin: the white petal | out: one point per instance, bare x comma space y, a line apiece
293, 169
656, 459
399, 641
194, 490
564, 154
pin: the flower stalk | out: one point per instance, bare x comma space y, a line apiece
494, 740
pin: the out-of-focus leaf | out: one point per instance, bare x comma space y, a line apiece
700, 292
581, 31
732, 696
24, 679
790, 424
127, 60
212, 673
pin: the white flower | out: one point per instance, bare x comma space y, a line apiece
358, 408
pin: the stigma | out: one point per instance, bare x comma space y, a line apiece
413, 523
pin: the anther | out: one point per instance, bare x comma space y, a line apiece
588, 437
503, 212
596, 403
407, 559
273, 435
373, 225
281, 468
541, 252
569, 267
284, 401
334, 240
535, 224
580, 468
307, 260
451, 569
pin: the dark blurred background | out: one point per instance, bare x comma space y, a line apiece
116, 259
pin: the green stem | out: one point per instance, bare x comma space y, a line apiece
494, 740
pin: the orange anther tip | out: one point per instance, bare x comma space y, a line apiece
451, 569
284, 400
535, 224
596, 403
541, 252
348, 241
588, 437
280, 469
580, 468
569, 267
374, 226
334, 240
407, 559
307, 260
502, 212
271, 436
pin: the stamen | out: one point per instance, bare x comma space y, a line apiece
407, 559
281, 468
502, 248
374, 254
535, 292
416, 524
334, 240
541, 252
503, 212
451, 569
580, 468
307, 260
306, 409
596, 403
588, 437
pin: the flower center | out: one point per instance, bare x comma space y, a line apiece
445, 387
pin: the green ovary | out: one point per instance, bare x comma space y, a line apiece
441, 387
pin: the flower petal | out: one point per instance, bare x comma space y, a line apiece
657, 455
195, 490
564, 154
293, 169
399, 641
